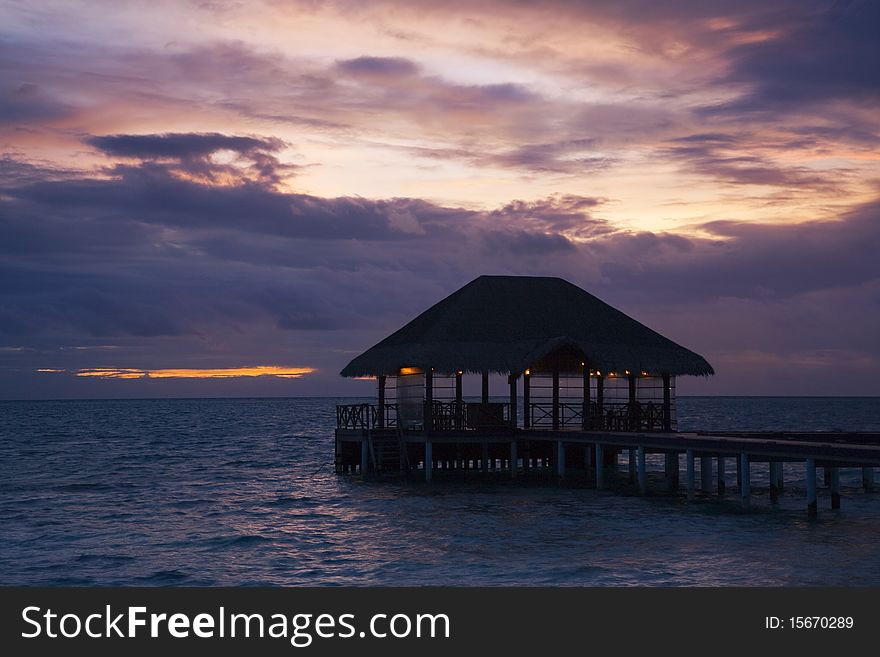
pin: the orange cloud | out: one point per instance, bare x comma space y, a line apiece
192, 373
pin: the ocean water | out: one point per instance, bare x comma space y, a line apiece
242, 492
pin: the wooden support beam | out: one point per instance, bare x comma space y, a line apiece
511, 380
485, 396
642, 471
745, 486
671, 471
527, 401
560, 459
365, 456
429, 461
774, 482
667, 402
835, 488
706, 474
722, 481
514, 458
810, 475
780, 479
485, 467
600, 466
691, 483
380, 411
555, 406
600, 399
868, 479
585, 412
632, 420
458, 393
632, 465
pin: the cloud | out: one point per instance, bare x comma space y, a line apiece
381, 67
180, 146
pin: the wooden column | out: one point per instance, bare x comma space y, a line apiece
459, 405
428, 419
774, 481
511, 380
706, 474
365, 456
745, 486
527, 408
600, 466
485, 396
429, 461
514, 458
585, 414
671, 463
458, 395
667, 402
642, 471
600, 399
555, 398
632, 425
632, 465
835, 488
812, 507
868, 479
690, 474
380, 411
560, 459
722, 484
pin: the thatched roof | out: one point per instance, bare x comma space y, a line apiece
509, 323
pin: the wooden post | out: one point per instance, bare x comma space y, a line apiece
527, 402
380, 411
585, 413
774, 482
642, 471
555, 398
485, 396
513, 458
739, 472
667, 402
600, 466
485, 456
780, 480
722, 483
365, 456
632, 465
706, 474
868, 479
428, 420
560, 459
835, 487
690, 474
745, 486
632, 420
512, 381
671, 471
812, 507
600, 400
429, 461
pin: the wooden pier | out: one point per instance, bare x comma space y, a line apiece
589, 454
586, 383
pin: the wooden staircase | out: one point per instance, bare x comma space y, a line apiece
387, 453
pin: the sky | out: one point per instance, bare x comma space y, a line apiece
215, 198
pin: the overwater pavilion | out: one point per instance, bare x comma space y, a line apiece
586, 382
578, 363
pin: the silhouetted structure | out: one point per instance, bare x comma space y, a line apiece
595, 383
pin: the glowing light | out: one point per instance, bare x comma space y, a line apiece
49, 369
410, 370
459, 372
191, 373
528, 372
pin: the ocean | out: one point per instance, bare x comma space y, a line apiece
214, 492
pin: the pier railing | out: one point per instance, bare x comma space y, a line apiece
461, 415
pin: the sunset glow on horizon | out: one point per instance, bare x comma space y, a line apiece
260, 182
